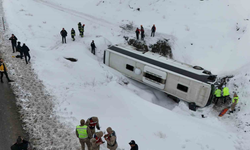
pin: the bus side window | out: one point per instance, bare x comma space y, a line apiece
182, 88
129, 67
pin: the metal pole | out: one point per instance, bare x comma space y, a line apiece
3, 24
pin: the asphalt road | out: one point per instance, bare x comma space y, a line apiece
10, 124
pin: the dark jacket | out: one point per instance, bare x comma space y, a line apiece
153, 29
19, 48
93, 45
73, 32
64, 33
79, 26
22, 146
137, 31
142, 30
13, 39
135, 147
25, 49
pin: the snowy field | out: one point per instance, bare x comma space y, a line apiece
56, 93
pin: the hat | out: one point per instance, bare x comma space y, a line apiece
132, 142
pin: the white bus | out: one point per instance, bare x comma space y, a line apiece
191, 84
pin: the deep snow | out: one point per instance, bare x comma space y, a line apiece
89, 88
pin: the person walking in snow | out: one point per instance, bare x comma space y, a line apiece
81, 32
79, 27
137, 31
19, 49
83, 25
111, 139
93, 47
217, 94
234, 102
226, 94
84, 134
142, 33
3, 70
13, 42
96, 141
73, 33
26, 53
133, 145
20, 144
93, 122
63, 34
153, 29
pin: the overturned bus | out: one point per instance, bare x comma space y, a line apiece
192, 84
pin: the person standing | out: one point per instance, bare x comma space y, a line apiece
111, 139
81, 32
142, 33
3, 70
84, 134
93, 47
13, 42
217, 94
133, 145
63, 34
96, 141
83, 25
93, 122
20, 144
234, 102
226, 94
79, 27
73, 33
19, 49
137, 31
153, 29
26, 53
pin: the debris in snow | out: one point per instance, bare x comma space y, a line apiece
71, 59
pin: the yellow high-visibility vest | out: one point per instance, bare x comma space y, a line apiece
82, 131
226, 91
235, 99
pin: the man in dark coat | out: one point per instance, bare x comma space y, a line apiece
26, 52
19, 49
73, 33
142, 33
13, 42
133, 145
63, 34
3, 70
137, 31
153, 29
93, 47
20, 144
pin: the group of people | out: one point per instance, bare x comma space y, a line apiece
23, 50
138, 31
86, 134
224, 95
73, 34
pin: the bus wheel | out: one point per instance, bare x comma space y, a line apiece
192, 106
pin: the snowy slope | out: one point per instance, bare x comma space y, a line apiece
89, 88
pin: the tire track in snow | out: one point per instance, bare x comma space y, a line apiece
78, 14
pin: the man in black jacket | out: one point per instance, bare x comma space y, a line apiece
133, 145
93, 47
19, 49
26, 53
20, 144
13, 42
3, 70
63, 34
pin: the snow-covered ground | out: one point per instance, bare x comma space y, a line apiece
201, 33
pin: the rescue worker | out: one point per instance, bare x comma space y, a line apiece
84, 134
137, 31
111, 139
153, 29
81, 32
93, 122
79, 26
142, 33
73, 33
83, 25
13, 42
20, 144
19, 49
3, 70
234, 102
93, 47
96, 141
225, 94
133, 145
63, 34
26, 53
217, 94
